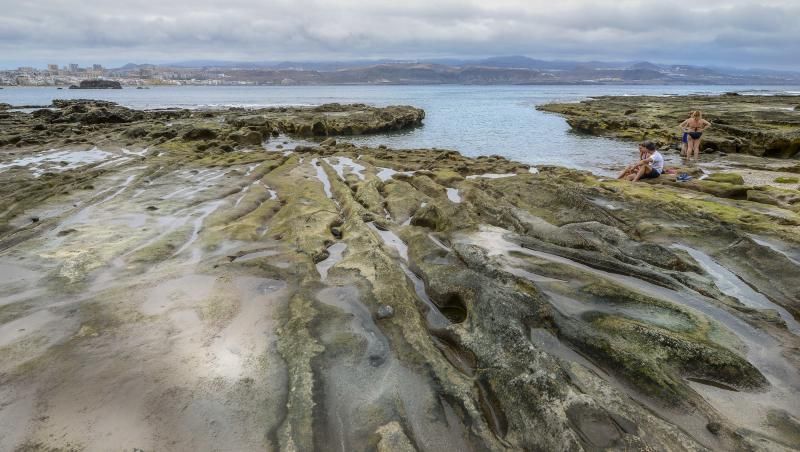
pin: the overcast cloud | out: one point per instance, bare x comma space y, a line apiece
741, 33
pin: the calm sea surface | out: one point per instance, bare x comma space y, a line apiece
475, 120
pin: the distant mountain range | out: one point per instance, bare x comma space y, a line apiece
489, 71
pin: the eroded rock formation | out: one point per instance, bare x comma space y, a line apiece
197, 292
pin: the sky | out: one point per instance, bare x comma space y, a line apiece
732, 33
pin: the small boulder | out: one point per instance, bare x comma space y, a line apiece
384, 312
200, 133
247, 137
430, 217
329, 142
136, 132
728, 178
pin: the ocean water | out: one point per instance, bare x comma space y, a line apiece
474, 120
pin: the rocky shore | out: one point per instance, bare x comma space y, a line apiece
765, 126
224, 279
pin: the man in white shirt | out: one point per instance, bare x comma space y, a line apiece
649, 167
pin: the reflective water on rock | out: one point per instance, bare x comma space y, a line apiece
732, 285
336, 251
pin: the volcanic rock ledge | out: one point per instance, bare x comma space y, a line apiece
766, 126
74, 121
230, 296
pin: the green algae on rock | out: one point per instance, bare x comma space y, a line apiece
758, 125
540, 310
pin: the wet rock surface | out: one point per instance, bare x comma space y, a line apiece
759, 125
178, 294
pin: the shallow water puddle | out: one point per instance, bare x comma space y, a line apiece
204, 212
439, 243
323, 177
24, 326
360, 380
272, 193
251, 255
344, 165
243, 194
250, 169
490, 176
384, 174
188, 290
390, 238
454, 195
57, 160
336, 252
762, 350
348, 300
136, 153
251, 330
433, 316
692, 423
122, 188
731, 285
14, 278
790, 252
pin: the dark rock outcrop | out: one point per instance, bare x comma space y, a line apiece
97, 84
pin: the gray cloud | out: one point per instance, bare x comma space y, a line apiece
714, 32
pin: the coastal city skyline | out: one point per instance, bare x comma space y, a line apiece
487, 71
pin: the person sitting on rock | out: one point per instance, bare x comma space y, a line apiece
630, 169
649, 167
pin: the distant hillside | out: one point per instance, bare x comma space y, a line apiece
488, 71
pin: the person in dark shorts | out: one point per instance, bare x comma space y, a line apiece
649, 167
696, 125
685, 139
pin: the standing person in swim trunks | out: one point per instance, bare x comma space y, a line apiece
696, 125
685, 139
